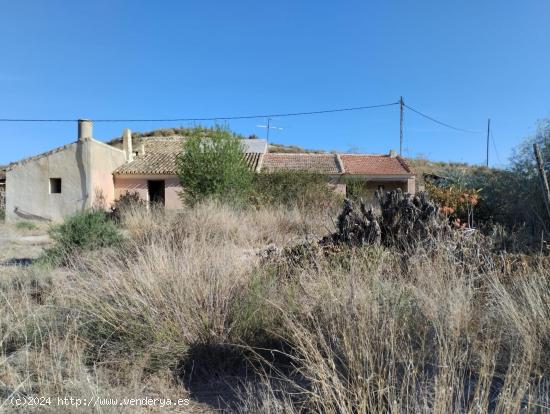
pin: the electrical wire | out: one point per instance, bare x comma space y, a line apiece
495, 147
217, 118
440, 122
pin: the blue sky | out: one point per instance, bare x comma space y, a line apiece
460, 62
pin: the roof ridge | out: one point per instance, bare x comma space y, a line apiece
39, 156
260, 162
365, 155
327, 154
405, 164
340, 163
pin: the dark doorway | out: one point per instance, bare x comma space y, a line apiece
156, 191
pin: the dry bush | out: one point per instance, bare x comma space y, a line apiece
188, 301
437, 340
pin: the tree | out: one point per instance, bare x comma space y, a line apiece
523, 160
214, 167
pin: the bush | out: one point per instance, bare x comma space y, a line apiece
26, 225
89, 230
127, 202
508, 197
457, 202
293, 189
214, 167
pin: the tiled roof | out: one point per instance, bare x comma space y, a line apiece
253, 160
151, 163
160, 159
319, 163
161, 154
374, 165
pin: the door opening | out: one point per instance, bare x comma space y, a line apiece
156, 192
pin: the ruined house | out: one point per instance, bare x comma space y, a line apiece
89, 173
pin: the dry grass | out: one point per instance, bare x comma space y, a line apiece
188, 309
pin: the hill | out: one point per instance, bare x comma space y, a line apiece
420, 165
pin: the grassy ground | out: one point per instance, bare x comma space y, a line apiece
22, 242
203, 305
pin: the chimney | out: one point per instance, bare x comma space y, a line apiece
127, 144
393, 154
141, 149
85, 127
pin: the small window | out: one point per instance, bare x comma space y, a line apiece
55, 185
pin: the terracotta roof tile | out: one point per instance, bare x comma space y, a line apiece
151, 163
253, 160
374, 165
160, 159
319, 163
161, 153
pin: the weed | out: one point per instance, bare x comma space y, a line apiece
26, 225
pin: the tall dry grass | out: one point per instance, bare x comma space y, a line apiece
187, 307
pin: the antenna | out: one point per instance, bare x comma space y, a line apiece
268, 127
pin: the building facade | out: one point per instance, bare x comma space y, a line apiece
91, 174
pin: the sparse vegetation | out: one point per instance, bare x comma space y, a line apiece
510, 197
287, 307
303, 190
128, 202
26, 225
198, 300
87, 231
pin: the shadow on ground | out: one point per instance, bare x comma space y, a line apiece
16, 261
218, 374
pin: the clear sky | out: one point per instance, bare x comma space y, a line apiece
461, 62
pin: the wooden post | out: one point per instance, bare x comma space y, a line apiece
488, 133
543, 179
401, 104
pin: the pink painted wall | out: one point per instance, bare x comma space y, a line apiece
172, 188
172, 193
104, 160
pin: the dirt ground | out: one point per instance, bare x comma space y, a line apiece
20, 245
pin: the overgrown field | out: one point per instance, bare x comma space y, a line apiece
243, 310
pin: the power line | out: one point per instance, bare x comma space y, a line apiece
217, 118
495, 147
440, 122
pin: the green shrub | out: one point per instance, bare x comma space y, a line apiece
214, 167
26, 225
293, 189
357, 189
89, 230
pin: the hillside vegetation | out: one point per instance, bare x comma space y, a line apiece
206, 132
243, 310
290, 304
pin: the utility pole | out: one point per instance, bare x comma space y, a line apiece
543, 179
401, 105
488, 134
268, 127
